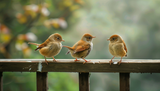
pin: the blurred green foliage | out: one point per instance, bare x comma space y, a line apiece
137, 21
16, 81
63, 82
24, 21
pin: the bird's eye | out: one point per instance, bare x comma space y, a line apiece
89, 37
113, 38
58, 38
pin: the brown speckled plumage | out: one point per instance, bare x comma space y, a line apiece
51, 47
82, 48
117, 47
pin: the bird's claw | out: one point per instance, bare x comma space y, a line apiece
54, 60
119, 62
110, 62
76, 60
86, 61
46, 62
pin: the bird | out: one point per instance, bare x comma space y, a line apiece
117, 47
51, 47
82, 48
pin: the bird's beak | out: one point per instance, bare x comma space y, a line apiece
63, 40
94, 37
108, 39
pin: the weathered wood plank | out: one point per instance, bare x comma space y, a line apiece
124, 81
42, 81
84, 84
68, 65
1, 81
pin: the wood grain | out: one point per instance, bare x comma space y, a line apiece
68, 65
42, 84
84, 82
124, 81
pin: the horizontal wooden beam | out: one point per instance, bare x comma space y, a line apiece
68, 65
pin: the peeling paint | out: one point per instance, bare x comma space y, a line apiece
7, 60
93, 62
40, 67
115, 62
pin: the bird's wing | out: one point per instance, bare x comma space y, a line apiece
81, 46
43, 44
125, 48
39, 45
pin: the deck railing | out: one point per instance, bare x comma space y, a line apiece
68, 65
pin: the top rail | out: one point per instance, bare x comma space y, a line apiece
68, 65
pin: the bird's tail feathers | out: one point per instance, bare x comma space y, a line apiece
37, 48
33, 43
126, 55
68, 47
68, 52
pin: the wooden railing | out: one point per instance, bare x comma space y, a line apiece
68, 65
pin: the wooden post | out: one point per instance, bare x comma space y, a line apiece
124, 81
1, 81
42, 83
84, 84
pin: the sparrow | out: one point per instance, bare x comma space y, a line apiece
51, 47
82, 48
117, 47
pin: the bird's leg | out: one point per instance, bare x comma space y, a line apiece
120, 61
76, 60
85, 61
54, 59
111, 60
46, 60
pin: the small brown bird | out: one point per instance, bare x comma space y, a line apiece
117, 47
82, 48
51, 47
